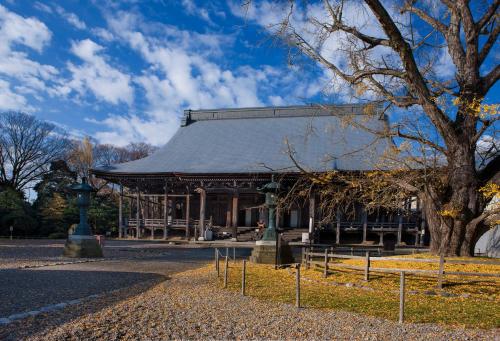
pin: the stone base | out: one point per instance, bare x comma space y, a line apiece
266, 242
82, 247
266, 254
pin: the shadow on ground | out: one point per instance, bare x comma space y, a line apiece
56, 286
25, 290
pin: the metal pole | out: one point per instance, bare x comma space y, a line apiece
297, 286
401, 297
234, 253
225, 273
11, 229
243, 275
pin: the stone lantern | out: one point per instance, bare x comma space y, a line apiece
271, 191
266, 251
82, 244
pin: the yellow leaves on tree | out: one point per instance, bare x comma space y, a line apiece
490, 190
476, 107
54, 209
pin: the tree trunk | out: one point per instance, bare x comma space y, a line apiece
453, 212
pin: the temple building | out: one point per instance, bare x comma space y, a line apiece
208, 175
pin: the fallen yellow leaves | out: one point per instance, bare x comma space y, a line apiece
471, 302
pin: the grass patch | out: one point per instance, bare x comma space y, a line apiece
478, 308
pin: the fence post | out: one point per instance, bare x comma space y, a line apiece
402, 297
308, 257
227, 251
225, 273
217, 261
243, 277
234, 253
297, 286
325, 274
367, 266
441, 271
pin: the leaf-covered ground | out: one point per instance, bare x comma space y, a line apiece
468, 302
193, 306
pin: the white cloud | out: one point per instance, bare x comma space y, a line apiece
183, 73
42, 7
103, 34
197, 10
26, 31
277, 100
444, 66
10, 100
306, 19
97, 75
71, 18
16, 65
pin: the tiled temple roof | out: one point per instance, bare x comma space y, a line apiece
254, 140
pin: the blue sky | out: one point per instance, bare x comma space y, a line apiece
124, 71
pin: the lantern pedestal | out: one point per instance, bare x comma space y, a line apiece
264, 253
78, 246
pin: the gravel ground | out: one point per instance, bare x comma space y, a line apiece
190, 306
29, 289
20, 253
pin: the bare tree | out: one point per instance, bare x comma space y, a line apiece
445, 135
27, 147
139, 150
88, 153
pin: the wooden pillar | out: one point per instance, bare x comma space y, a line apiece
365, 224
120, 213
138, 215
188, 213
229, 210
153, 206
234, 218
312, 210
337, 234
400, 228
203, 202
422, 228
165, 214
130, 207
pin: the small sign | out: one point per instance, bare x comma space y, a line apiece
11, 228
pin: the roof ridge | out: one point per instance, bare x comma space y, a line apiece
310, 110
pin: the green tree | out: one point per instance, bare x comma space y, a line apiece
54, 205
15, 212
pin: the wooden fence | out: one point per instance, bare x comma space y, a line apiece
325, 260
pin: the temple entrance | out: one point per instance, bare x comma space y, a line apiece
217, 207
